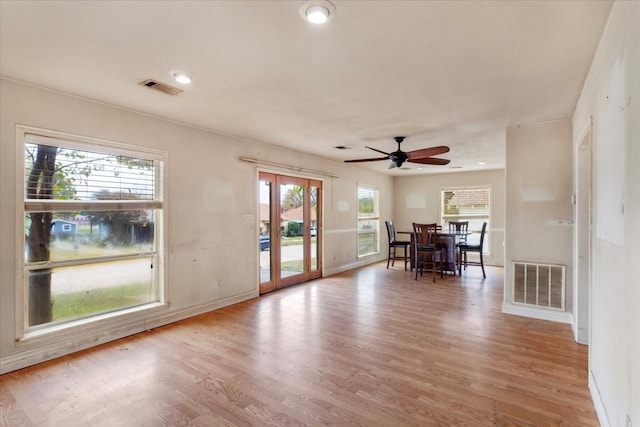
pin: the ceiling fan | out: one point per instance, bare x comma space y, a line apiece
398, 157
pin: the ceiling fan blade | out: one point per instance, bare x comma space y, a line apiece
430, 161
379, 151
427, 152
366, 160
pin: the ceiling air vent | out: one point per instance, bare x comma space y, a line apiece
156, 85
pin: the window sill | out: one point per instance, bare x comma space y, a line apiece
368, 255
99, 324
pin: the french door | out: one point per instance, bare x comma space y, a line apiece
290, 224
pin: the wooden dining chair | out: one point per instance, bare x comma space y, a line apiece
394, 244
459, 227
427, 252
465, 248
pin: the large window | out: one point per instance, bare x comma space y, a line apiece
92, 221
471, 204
368, 220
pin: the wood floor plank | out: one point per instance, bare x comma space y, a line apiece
369, 347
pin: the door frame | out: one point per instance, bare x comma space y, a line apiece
275, 250
583, 214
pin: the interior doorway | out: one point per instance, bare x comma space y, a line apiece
290, 230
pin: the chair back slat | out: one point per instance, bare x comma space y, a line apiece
482, 233
457, 227
391, 231
425, 234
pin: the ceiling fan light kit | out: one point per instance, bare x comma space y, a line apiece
399, 157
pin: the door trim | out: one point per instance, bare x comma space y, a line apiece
309, 271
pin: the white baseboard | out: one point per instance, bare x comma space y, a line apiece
350, 266
342, 268
581, 336
537, 313
47, 349
597, 401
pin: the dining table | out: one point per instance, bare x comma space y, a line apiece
449, 240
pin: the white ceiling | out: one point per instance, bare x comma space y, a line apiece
450, 73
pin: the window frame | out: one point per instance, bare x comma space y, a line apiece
375, 216
24, 332
445, 218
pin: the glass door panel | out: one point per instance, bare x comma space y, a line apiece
314, 201
292, 224
265, 231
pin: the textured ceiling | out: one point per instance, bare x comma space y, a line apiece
450, 73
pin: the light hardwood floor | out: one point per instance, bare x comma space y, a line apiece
370, 347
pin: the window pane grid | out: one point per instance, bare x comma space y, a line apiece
96, 205
368, 220
100, 291
90, 229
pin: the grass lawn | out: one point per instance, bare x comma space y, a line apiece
295, 265
78, 304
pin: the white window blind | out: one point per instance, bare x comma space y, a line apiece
89, 175
466, 202
472, 204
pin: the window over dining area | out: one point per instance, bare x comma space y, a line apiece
368, 220
471, 204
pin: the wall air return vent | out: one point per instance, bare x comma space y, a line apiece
540, 285
162, 87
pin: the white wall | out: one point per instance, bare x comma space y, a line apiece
611, 98
539, 204
417, 199
210, 193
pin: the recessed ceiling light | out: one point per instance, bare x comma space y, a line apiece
317, 11
317, 14
181, 77
481, 162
